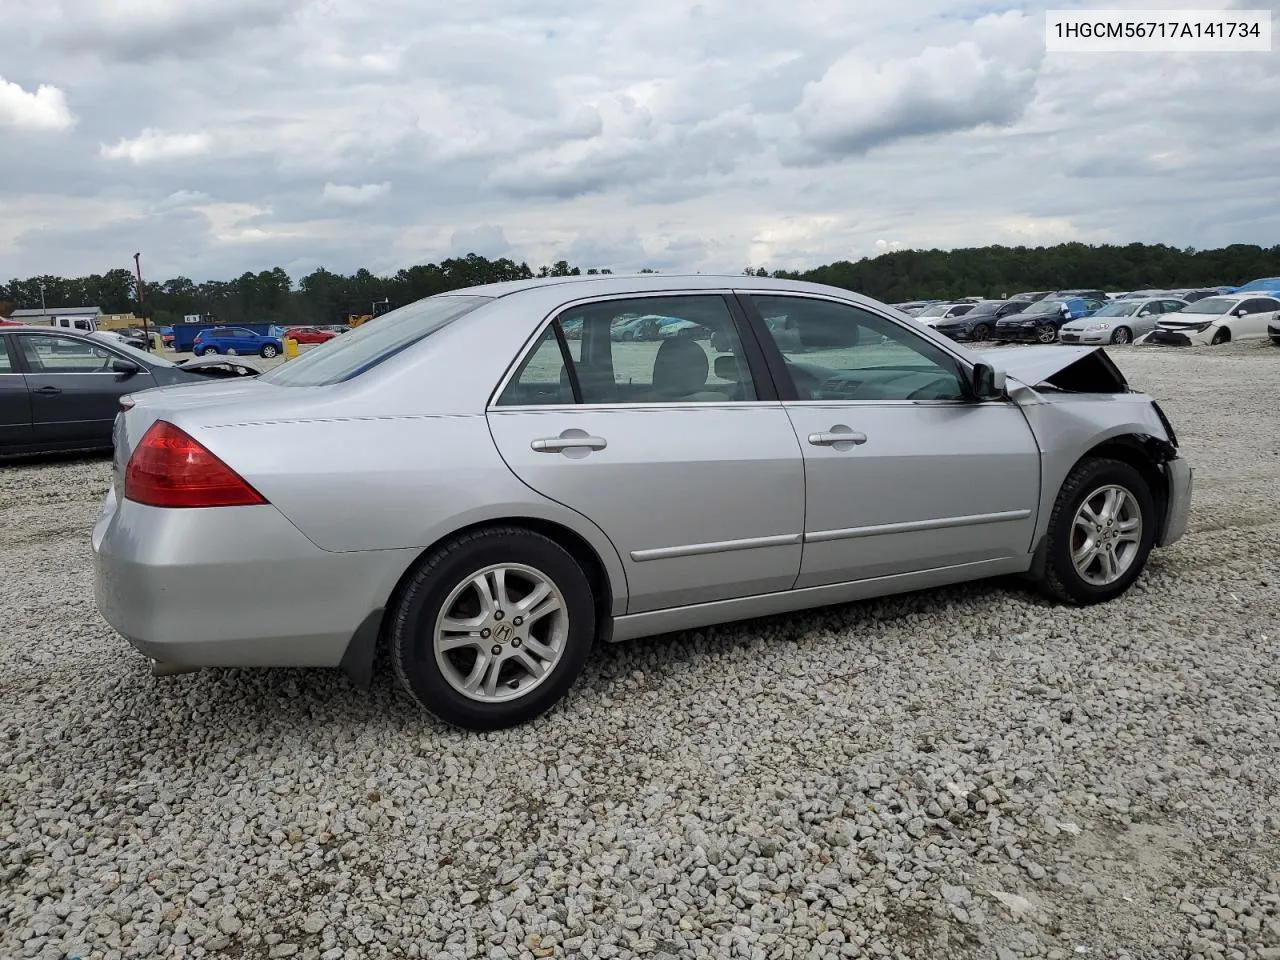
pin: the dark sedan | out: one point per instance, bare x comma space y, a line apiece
61, 390
979, 322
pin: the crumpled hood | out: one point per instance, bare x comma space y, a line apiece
1033, 366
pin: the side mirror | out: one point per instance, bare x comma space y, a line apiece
987, 382
1242, 312
127, 367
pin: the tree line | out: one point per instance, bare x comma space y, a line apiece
326, 297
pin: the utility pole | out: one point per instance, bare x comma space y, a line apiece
146, 327
44, 311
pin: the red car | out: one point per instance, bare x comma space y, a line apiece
309, 335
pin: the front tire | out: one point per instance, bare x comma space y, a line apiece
1101, 531
981, 332
1122, 335
492, 628
268, 352
1046, 334
1221, 335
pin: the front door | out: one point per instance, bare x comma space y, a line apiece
673, 448
75, 395
903, 472
15, 404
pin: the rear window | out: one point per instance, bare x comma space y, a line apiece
371, 343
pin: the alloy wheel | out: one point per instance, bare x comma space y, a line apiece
1106, 535
501, 632
1046, 334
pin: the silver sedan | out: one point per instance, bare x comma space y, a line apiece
1121, 321
461, 482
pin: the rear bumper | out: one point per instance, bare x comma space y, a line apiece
1178, 473
232, 586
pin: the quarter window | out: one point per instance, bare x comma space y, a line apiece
63, 355
6, 365
837, 351
640, 350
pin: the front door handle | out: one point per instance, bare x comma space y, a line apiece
837, 435
47, 391
569, 440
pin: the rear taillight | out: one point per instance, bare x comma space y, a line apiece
170, 468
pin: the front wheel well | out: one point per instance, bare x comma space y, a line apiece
1145, 454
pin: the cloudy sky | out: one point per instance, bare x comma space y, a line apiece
218, 136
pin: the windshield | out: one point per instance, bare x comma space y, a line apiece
985, 307
937, 310
1044, 306
133, 352
371, 343
1210, 305
1122, 309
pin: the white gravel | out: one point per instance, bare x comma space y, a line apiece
970, 772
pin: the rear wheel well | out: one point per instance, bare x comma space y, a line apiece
578, 548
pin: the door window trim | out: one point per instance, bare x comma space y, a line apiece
786, 387
762, 379
26, 367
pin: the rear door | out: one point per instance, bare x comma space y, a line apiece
15, 404
902, 472
677, 449
75, 394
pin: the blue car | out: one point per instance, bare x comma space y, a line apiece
1041, 321
236, 340
1262, 285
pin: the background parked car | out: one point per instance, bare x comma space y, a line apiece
1121, 321
135, 340
1215, 320
1033, 296
978, 323
68, 385
1268, 285
236, 340
1041, 321
309, 335
931, 314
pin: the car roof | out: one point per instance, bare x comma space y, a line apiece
606, 284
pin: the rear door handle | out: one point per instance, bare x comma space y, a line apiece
833, 437
562, 443
47, 391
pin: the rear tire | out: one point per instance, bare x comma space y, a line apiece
1221, 335
1122, 335
435, 656
1079, 551
205, 351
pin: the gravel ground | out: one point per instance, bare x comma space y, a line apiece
969, 772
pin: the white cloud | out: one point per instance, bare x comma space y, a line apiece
46, 109
354, 196
155, 146
671, 135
